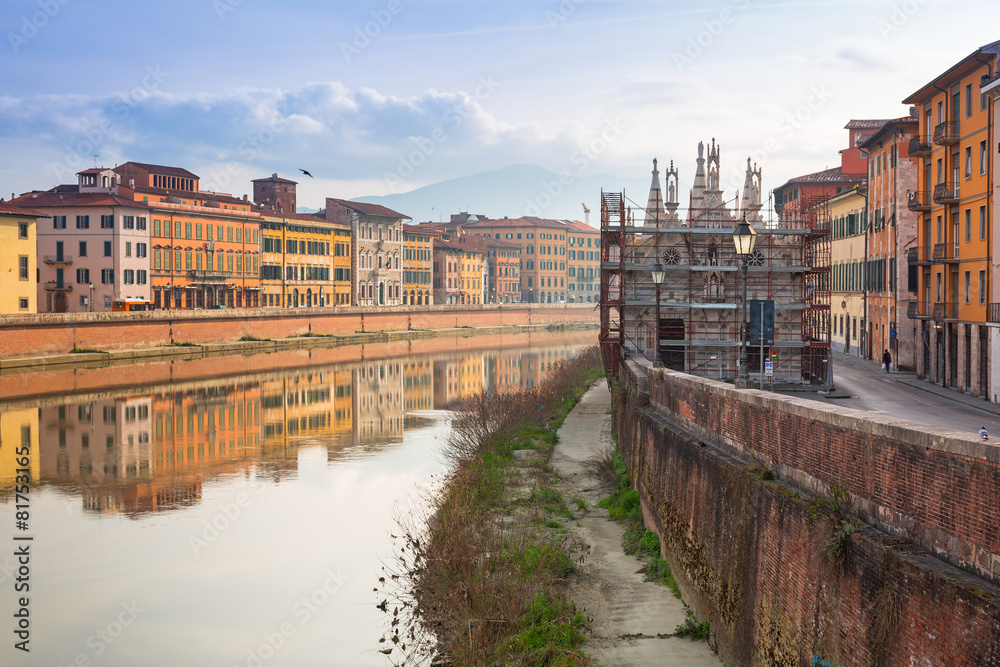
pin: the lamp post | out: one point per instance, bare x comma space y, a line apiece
744, 238
90, 303
658, 274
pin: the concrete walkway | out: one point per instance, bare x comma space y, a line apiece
611, 588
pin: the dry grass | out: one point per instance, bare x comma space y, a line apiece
475, 582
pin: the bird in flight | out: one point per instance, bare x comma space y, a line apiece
307, 173
983, 434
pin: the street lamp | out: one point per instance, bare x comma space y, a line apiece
658, 274
90, 303
744, 238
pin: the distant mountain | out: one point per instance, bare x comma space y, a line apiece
521, 189
306, 209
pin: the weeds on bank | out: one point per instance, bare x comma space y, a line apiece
474, 583
692, 628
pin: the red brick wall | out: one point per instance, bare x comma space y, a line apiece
748, 551
26, 335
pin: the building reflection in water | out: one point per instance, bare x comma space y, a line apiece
154, 452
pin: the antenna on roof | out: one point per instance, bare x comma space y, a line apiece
95, 160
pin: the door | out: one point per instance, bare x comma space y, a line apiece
61, 306
381, 293
59, 251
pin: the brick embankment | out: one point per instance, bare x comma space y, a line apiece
804, 531
53, 334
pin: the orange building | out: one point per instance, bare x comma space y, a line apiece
206, 245
953, 196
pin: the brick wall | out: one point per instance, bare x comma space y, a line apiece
752, 552
23, 335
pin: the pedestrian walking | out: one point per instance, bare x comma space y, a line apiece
886, 360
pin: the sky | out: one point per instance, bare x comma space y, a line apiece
377, 98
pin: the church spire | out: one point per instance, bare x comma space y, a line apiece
655, 213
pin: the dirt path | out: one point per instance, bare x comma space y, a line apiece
611, 585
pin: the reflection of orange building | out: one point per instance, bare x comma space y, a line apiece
501, 371
18, 429
418, 384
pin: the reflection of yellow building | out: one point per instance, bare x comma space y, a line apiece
302, 405
502, 371
418, 384
18, 428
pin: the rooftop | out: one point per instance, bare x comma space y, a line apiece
363, 208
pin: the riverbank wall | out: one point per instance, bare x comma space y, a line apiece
61, 333
809, 534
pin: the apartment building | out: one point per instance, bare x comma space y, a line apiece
892, 231
18, 259
376, 250
849, 230
953, 196
418, 265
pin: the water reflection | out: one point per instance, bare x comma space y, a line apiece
218, 501
154, 452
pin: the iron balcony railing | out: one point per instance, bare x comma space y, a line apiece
919, 201
946, 133
946, 193
945, 310
58, 286
945, 252
920, 146
58, 259
993, 312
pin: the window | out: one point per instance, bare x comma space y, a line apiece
968, 225
83, 222
107, 248
197, 231
140, 277
22, 267
156, 228
968, 100
22, 230
982, 223
968, 286
22, 304
108, 276
140, 249
128, 248
177, 230
968, 161
128, 221
140, 222
982, 287
83, 249
187, 230
128, 276
982, 157
83, 276
59, 222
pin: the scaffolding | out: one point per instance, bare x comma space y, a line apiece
691, 322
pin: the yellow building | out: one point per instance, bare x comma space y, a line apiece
955, 183
19, 437
418, 259
305, 261
849, 221
18, 253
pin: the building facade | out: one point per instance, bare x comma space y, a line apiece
418, 265
848, 265
376, 250
955, 186
991, 88
18, 259
892, 214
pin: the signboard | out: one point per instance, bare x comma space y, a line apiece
768, 369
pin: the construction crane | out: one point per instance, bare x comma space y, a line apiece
586, 213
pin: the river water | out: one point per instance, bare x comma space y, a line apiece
228, 510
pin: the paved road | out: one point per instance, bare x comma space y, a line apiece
863, 385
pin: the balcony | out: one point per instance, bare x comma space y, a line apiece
993, 312
946, 193
209, 277
58, 259
919, 255
946, 133
920, 146
919, 201
58, 286
944, 310
916, 310
945, 252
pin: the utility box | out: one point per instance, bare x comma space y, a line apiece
761, 320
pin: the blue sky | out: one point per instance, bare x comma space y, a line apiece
381, 97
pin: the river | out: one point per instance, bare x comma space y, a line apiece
228, 510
